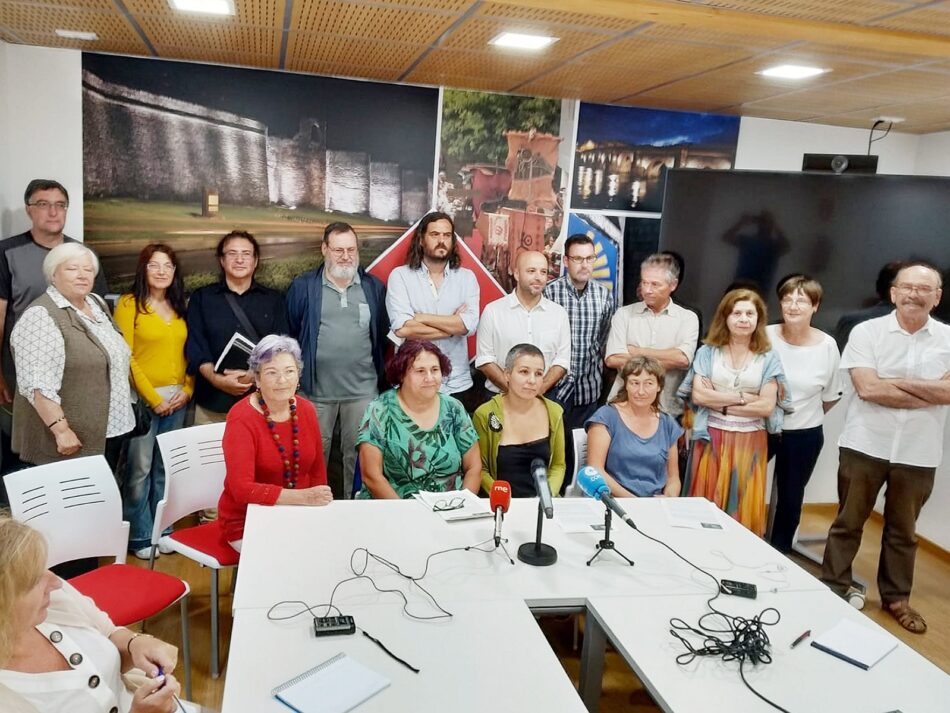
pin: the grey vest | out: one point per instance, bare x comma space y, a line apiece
84, 394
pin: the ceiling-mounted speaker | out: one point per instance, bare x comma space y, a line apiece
839, 163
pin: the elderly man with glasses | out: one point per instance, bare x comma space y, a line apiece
22, 280
345, 371
893, 435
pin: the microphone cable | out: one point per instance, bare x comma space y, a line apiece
749, 640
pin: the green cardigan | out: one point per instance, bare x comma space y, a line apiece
488, 441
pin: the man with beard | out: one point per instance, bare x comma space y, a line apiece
432, 297
893, 435
344, 372
524, 315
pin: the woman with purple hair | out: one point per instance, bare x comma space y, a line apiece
273, 452
414, 437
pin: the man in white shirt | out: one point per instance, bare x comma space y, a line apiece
656, 327
432, 297
524, 316
893, 434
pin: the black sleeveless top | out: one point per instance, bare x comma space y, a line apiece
514, 465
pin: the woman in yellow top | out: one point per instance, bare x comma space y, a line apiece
152, 319
520, 425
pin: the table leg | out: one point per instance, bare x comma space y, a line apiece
592, 663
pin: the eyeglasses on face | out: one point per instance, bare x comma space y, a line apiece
48, 206
159, 267
582, 259
340, 252
905, 288
796, 301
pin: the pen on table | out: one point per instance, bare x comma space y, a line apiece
801, 638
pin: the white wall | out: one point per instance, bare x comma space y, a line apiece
41, 101
933, 155
41, 136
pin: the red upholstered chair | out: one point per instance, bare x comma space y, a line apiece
76, 505
194, 480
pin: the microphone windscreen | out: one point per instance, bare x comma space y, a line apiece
591, 482
500, 495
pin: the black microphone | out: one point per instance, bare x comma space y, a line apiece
592, 483
539, 473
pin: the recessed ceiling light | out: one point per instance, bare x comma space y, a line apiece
207, 7
518, 40
792, 71
77, 35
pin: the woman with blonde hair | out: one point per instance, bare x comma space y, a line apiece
737, 388
58, 651
631, 441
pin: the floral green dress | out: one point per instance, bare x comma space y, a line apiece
415, 458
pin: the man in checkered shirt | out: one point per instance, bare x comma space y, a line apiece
589, 307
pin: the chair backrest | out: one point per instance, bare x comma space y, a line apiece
194, 473
579, 435
76, 504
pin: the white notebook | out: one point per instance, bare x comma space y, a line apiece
337, 685
859, 645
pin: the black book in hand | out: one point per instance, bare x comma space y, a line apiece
235, 353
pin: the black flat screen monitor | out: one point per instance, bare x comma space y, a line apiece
841, 229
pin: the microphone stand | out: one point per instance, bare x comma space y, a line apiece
607, 543
537, 553
501, 544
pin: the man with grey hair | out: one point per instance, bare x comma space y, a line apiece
345, 371
21, 278
655, 327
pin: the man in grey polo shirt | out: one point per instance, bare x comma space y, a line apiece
432, 297
22, 280
345, 371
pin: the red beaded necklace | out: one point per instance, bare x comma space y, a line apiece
291, 466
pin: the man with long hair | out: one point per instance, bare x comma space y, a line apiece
433, 297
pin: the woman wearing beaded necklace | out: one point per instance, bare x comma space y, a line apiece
738, 390
272, 446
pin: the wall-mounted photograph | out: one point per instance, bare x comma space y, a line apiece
500, 175
183, 153
622, 153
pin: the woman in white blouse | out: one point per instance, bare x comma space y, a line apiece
810, 359
59, 652
72, 365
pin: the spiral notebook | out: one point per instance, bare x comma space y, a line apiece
337, 685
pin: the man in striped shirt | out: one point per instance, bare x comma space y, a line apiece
589, 307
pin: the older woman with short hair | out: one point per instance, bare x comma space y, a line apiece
72, 363
273, 452
54, 642
414, 437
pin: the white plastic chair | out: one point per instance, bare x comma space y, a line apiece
579, 435
194, 480
75, 504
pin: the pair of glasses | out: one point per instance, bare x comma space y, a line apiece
47, 205
923, 290
450, 504
586, 259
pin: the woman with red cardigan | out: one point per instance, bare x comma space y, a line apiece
272, 446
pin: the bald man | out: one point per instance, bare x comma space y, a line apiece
524, 316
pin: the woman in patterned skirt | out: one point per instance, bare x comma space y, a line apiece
736, 386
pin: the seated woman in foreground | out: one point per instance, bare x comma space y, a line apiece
631, 441
272, 446
520, 425
59, 652
414, 437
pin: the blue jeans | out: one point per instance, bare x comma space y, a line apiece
145, 479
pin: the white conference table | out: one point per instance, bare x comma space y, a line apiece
301, 553
800, 679
491, 654
487, 657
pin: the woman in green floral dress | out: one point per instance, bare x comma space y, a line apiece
414, 437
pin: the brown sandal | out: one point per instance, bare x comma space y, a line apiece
906, 616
